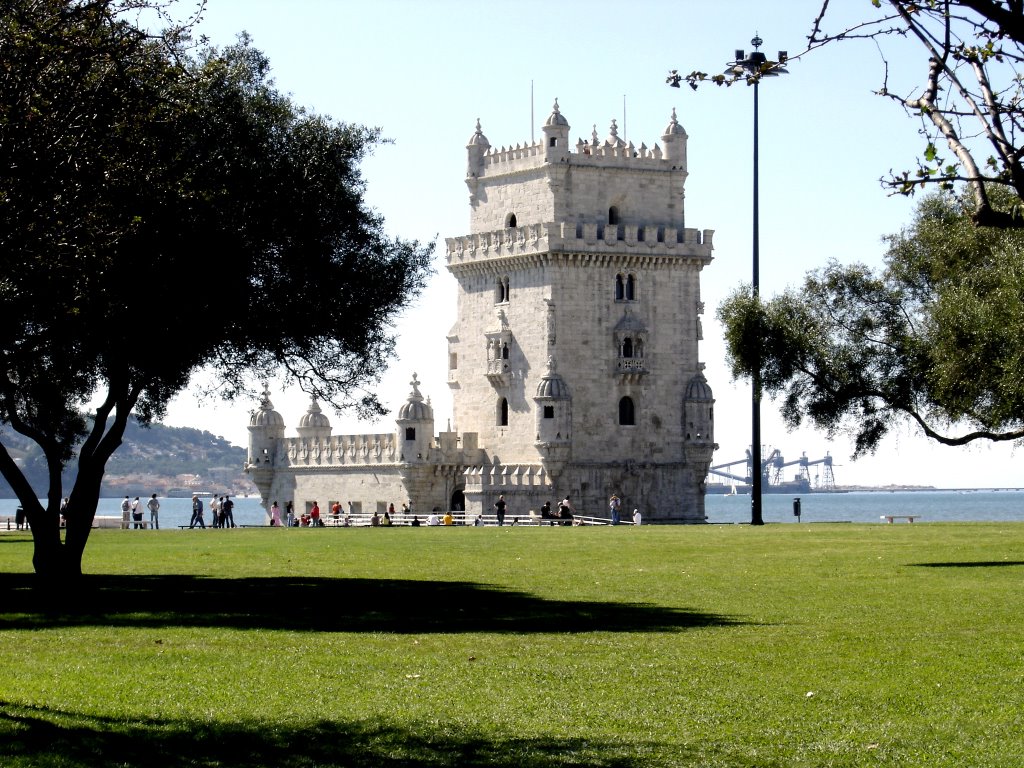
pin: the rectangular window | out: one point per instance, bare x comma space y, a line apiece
549, 411
453, 361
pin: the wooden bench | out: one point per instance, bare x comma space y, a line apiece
893, 518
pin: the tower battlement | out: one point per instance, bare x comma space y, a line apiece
620, 240
526, 156
609, 181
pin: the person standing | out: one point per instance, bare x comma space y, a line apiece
126, 511
154, 512
614, 503
499, 509
314, 515
227, 513
289, 514
275, 514
136, 515
215, 512
566, 511
197, 513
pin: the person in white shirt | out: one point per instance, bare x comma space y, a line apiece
433, 519
636, 517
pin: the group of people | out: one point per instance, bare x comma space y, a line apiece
132, 512
222, 512
564, 513
313, 517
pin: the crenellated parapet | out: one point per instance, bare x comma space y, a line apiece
340, 450
524, 157
506, 478
575, 237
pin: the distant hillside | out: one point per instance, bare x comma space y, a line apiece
154, 459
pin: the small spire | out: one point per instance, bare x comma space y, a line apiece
265, 404
415, 394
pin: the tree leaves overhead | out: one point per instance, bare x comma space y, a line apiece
934, 337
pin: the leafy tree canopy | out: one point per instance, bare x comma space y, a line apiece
133, 167
935, 336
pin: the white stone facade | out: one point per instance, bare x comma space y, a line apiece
573, 363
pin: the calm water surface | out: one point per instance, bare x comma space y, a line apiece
869, 506
857, 507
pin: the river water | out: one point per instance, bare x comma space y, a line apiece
855, 506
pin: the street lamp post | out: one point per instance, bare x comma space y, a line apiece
754, 67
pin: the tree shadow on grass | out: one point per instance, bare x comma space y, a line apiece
970, 564
325, 605
39, 737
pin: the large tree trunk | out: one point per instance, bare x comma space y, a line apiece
58, 562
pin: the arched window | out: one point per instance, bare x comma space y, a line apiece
501, 291
613, 215
627, 347
410, 433
630, 288
503, 412
627, 413
553, 141
510, 221
504, 351
620, 289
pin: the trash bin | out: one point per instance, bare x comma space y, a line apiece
796, 508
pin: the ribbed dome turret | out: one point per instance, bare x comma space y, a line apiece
265, 415
478, 139
674, 128
414, 408
552, 386
556, 118
698, 389
315, 417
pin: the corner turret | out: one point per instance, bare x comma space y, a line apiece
674, 140
556, 137
266, 428
415, 425
554, 420
476, 148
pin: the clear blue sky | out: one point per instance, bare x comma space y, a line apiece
425, 71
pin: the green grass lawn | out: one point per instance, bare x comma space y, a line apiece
785, 645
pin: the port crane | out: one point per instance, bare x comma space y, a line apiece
772, 471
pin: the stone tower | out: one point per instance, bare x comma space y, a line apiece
575, 353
